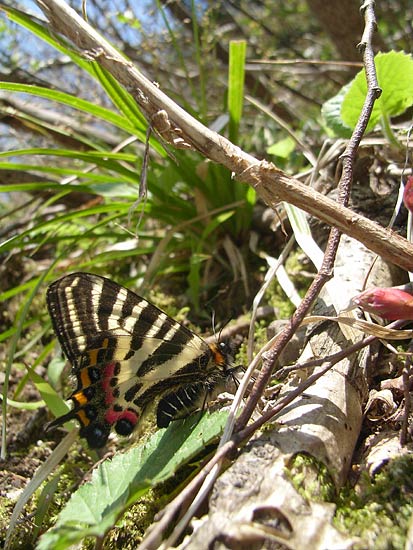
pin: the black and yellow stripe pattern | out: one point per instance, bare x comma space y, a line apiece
127, 355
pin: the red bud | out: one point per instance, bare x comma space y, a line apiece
408, 194
389, 303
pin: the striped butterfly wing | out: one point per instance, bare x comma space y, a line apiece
126, 355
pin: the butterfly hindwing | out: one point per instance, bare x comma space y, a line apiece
126, 354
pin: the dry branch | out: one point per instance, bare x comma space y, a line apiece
271, 184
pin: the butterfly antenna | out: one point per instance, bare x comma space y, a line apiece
222, 328
214, 326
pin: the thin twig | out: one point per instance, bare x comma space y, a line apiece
407, 369
324, 273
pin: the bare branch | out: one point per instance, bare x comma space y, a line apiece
271, 184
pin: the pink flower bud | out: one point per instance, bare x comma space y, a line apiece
408, 194
389, 303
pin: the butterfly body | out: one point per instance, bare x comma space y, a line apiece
128, 356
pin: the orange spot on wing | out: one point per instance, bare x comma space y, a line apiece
93, 357
85, 378
80, 399
83, 419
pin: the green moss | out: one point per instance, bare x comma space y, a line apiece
311, 478
6, 510
376, 512
280, 302
380, 511
129, 531
169, 303
48, 500
294, 267
276, 295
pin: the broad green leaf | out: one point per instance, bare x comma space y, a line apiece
55, 368
95, 507
395, 78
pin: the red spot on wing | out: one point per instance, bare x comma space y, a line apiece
112, 416
108, 374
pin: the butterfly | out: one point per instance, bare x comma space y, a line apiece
128, 356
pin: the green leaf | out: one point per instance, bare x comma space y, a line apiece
21, 405
122, 99
55, 368
236, 77
395, 77
70, 217
76, 103
89, 156
282, 148
53, 401
43, 33
331, 112
215, 222
104, 159
18, 328
96, 506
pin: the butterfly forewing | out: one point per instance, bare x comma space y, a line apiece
85, 309
126, 354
